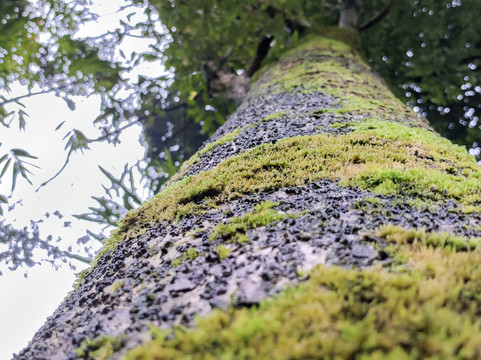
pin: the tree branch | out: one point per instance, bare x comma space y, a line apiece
116, 131
57, 174
469, 59
261, 53
378, 17
106, 136
18, 98
137, 121
80, 258
293, 25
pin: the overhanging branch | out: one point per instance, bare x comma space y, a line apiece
261, 53
377, 18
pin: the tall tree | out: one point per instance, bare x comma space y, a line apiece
428, 52
324, 219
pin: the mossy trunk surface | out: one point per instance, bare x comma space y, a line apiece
323, 220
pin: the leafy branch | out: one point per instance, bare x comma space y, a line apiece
16, 158
76, 141
109, 210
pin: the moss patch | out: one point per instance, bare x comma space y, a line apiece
191, 254
236, 228
429, 309
223, 140
100, 348
118, 284
333, 68
222, 251
420, 238
274, 116
384, 158
196, 157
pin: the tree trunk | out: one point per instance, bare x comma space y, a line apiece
349, 14
322, 182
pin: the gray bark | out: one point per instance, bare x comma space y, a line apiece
349, 14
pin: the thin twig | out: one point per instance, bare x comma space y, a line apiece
106, 136
261, 53
57, 174
378, 17
138, 120
80, 258
16, 99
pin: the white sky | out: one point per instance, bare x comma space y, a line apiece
25, 303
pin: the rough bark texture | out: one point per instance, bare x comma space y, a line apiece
291, 181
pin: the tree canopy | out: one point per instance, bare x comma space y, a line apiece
428, 51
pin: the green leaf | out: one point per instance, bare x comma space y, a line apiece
21, 119
2, 159
71, 104
109, 176
22, 153
150, 57
15, 172
59, 125
77, 141
5, 167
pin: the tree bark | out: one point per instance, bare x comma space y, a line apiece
349, 14
298, 181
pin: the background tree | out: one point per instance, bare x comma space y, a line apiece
427, 50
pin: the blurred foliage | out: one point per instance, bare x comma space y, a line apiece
19, 245
429, 52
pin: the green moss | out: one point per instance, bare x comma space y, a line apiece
372, 200
337, 125
366, 203
118, 284
222, 251
323, 111
386, 158
472, 227
100, 348
191, 254
224, 139
421, 238
399, 132
236, 228
177, 262
331, 67
469, 209
196, 157
301, 272
274, 116
429, 310
346, 36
